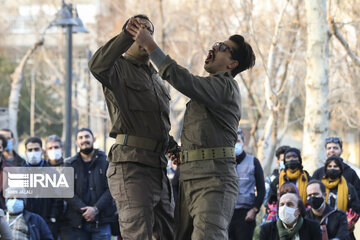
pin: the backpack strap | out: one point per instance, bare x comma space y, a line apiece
326, 216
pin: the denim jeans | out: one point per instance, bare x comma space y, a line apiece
87, 232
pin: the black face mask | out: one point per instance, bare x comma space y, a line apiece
292, 164
87, 151
333, 173
316, 202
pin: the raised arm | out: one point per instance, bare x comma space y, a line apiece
104, 58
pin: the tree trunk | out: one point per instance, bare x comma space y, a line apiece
316, 120
267, 143
17, 79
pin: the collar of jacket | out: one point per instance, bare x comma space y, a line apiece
326, 210
137, 62
240, 157
220, 73
93, 159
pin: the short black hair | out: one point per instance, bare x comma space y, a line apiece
3, 141
33, 140
8, 130
243, 54
143, 16
281, 150
315, 181
85, 129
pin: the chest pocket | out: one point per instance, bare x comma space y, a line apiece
141, 95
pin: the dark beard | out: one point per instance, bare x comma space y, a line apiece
87, 151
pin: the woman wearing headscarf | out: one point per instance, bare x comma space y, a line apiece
293, 173
340, 193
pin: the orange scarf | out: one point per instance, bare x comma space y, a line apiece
301, 181
342, 191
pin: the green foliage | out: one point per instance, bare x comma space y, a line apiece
48, 104
6, 68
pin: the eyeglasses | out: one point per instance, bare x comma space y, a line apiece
222, 47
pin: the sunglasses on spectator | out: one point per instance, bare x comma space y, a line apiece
333, 140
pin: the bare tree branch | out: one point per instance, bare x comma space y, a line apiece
334, 30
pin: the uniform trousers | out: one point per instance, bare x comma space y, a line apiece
204, 208
144, 200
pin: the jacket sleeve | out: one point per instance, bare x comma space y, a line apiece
353, 199
173, 146
342, 229
106, 199
75, 203
264, 233
104, 58
45, 233
314, 228
318, 174
356, 182
210, 91
57, 208
5, 231
260, 185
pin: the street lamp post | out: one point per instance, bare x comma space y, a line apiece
64, 18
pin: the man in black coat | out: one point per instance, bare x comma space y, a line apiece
335, 220
92, 209
333, 147
291, 223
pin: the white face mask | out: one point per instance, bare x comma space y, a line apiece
238, 149
282, 165
54, 154
33, 158
287, 214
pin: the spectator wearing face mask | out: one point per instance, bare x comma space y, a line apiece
292, 223
33, 153
10, 155
334, 147
293, 172
49, 209
340, 193
54, 151
269, 179
25, 224
250, 179
334, 219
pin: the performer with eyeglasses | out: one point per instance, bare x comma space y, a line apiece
208, 180
334, 147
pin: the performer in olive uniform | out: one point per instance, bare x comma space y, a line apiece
208, 179
138, 105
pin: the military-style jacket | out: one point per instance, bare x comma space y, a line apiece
137, 101
211, 118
